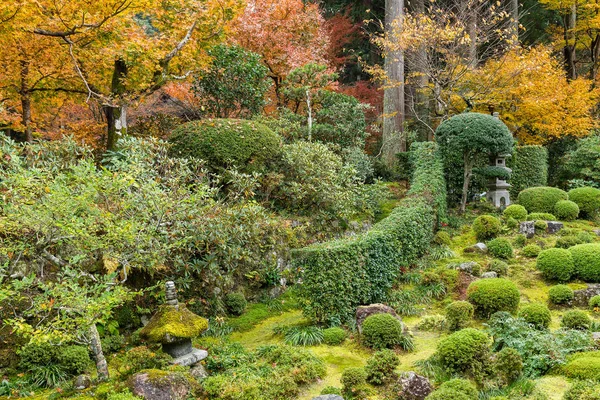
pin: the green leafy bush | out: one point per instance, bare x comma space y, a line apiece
556, 264
508, 365
138, 359
225, 143
588, 200
50, 365
594, 303
352, 379
461, 386
583, 366
331, 390
541, 199
566, 242
540, 216
464, 350
576, 319
334, 336
75, 359
515, 211
583, 390
586, 259
560, 294
529, 166
500, 248
498, 266
380, 331
566, 210
531, 250
486, 227
493, 294
520, 240
236, 303
459, 314
537, 315
449, 394
380, 366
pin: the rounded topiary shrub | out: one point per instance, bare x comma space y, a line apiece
462, 349
566, 210
586, 259
500, 248
585, 366
498, 266
222, 143
536, 314
462, 386
540, 226
576, 319
531, 250
491, 295
449, 394
334, 336
541, 217
508, 364
486, 227
380, 331
236, 303
541, 199
381, 366
594, 303
459, 314
560, 294
588, 200
555, 264
515, 211
353, 378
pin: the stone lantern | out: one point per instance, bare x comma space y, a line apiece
174, 326
498, 188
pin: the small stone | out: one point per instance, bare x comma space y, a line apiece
481, 247
199, 372
82, 382
467, 267
328, 397
554, 226
362, 312
597, 232
596, 336
527, 228
414, 387
489, 274
161, 385
582, 297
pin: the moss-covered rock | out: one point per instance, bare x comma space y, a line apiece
158, 384
171, 324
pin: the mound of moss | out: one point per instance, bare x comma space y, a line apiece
170, 324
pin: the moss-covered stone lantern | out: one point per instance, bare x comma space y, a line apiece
174, 326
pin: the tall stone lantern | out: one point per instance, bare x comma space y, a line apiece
498, 193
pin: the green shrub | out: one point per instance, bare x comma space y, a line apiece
500, 248
334, 336
531, 250
508, 365
576, 319
566, 242
583, 390
586, 259
537, 315
541, 199
588, 200
74, 359
583, 366
138, 359
541, 217
50, 365
449, 394
529, 166
442, 238
520, 240
492, 295
464, 350
560, 294
540, 226
331, 390
566, 210
555, 264
224, 143
486, 227
498, 266
431, 323
353, 378
511, 223
462, 386
594, 303
126, 395
380, 366
112, 343
515, 211
236, 303
459, 314
380, 331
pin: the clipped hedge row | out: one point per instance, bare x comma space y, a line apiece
529, 168
340, 275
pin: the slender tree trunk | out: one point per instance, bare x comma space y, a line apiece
472, 29
421, 102
514, 22
25, 94
393, 96
96, 347
466, 182
116, 115
595, 57
569, 52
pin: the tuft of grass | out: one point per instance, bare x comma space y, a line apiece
304, 336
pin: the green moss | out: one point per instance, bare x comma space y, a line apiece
169, 323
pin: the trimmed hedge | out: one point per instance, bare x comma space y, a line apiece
588, 200
459, 314
538, 216
500, 248
560, 294
541, 199
583, 366
380, 331
491, 295
486, 227
555, 264
536, 314
576, 319
566, 210
529, 166
342, 274
586, 259
461, 350
515, 211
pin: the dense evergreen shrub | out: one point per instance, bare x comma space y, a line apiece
541, 199
380, 331
236, 303
583, 390
515, 211
464, 350
365, 267
584, 366
536, 314
531, 250
539, 216
462, 386
352, 379
334, 336
498, 266
493, 294
508, 364
588, 200
381, 366
566, 242
49, 365
556, 264
576, 319
449, 394
331, 390
459, 314
560, 294
223, 143
486, 227
500, 248
566, 210
529, 166
139, 358
586, 259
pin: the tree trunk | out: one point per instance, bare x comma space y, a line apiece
393, 96
25, 94
595, 57
466, 182
514, 22
96, 347
569, 52
422, 81
309, 111
472, 30
116, 115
